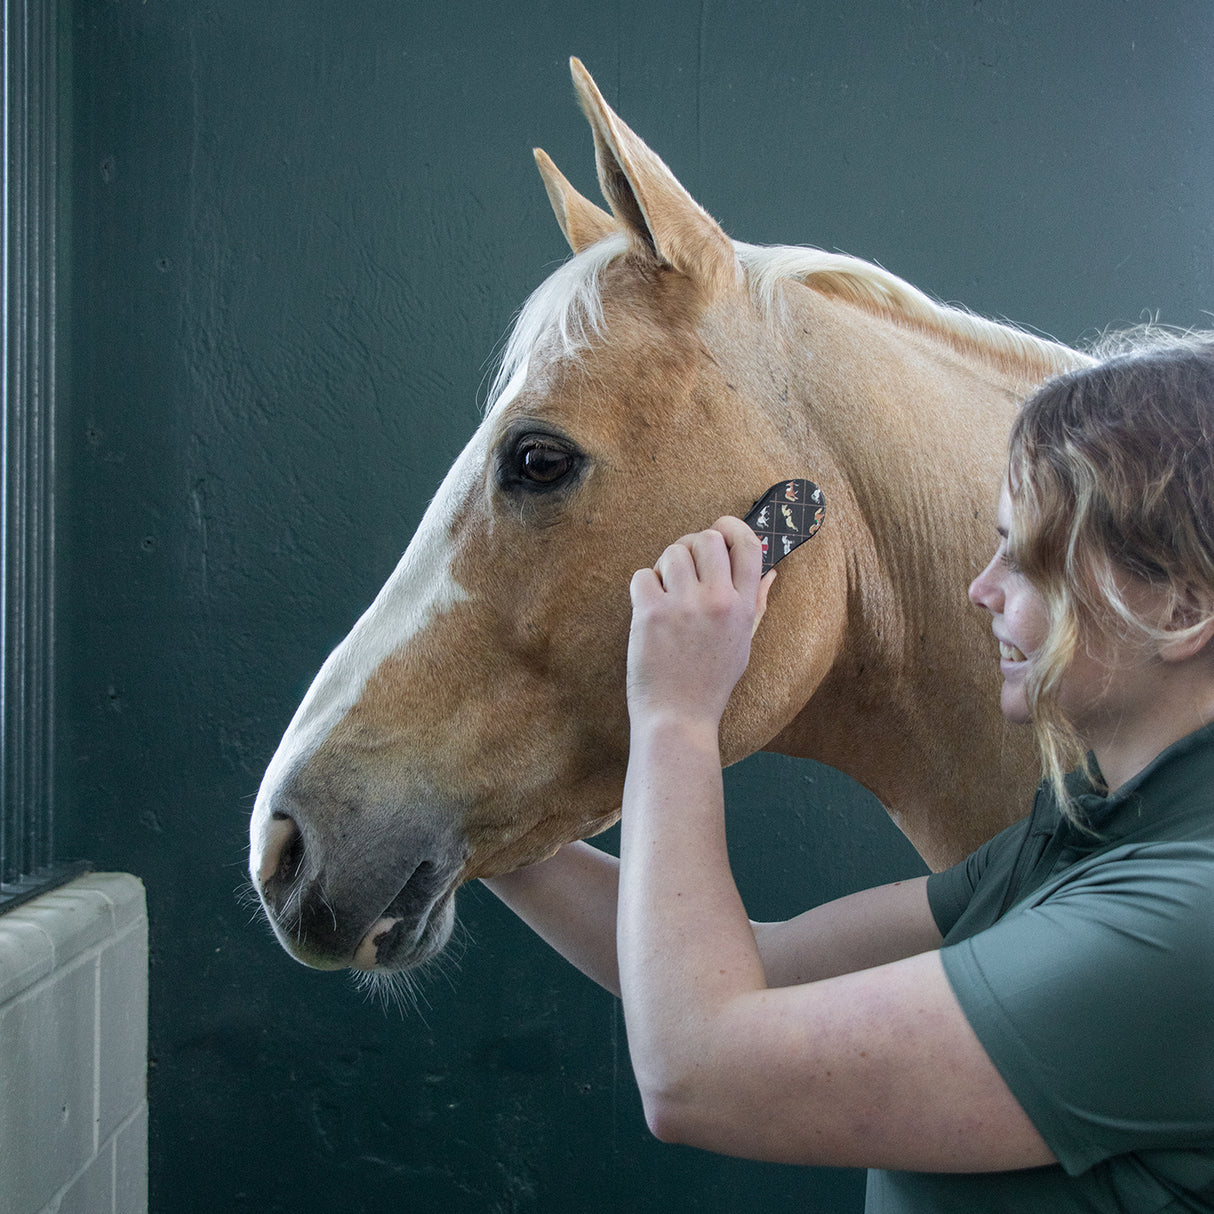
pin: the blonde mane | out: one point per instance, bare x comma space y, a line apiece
869, 286
568, 306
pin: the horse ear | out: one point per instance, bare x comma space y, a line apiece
648, 200
581, 221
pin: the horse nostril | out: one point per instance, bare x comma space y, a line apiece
282, 852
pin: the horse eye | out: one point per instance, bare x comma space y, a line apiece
543, 464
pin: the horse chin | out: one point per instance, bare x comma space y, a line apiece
541, 842
393, 945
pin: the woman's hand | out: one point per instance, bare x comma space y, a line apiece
693, 615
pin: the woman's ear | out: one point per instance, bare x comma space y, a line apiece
1193, 621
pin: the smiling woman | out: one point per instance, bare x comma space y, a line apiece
298, 230
1023, 617
1107, 513
930, 1030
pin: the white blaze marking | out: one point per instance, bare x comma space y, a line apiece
420, 589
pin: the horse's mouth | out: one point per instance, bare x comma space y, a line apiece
393, 943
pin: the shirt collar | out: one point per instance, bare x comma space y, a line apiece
1183, 770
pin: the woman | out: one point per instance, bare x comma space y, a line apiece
1031, 1030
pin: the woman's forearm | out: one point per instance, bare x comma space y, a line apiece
686, 946
569, 900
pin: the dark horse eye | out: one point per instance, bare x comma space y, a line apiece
532, 460
542, 463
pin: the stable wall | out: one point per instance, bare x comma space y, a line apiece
299, 230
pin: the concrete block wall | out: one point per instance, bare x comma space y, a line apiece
73, 1050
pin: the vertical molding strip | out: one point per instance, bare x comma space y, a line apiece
30, 215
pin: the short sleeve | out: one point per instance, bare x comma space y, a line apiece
949, 891
948, 894
1095, 1001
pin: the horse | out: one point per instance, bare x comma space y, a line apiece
474, 719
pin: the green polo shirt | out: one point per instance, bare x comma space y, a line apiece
1085, 964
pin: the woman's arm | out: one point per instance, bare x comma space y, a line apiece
874, 1068
570, 901
856, 932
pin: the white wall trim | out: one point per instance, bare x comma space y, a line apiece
73, 1049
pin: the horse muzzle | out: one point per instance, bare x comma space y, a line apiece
355, 886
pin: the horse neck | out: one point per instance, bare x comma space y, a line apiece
915, 422
913, 426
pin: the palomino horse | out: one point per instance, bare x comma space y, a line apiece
474, 719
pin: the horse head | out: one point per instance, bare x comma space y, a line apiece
474, 719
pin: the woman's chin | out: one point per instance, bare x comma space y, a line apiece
1014, 703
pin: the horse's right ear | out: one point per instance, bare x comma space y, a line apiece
581, 221
647, 199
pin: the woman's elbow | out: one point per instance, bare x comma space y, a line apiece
682, 1093
671, 1116
665, 1123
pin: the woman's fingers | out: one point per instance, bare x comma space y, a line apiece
745, 550
728, 553
728, 549
677, 566
692, 622
761, 601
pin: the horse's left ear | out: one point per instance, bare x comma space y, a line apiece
648, 200
581, 221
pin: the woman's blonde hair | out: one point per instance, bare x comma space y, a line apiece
1111, 476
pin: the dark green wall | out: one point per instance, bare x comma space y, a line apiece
299, 229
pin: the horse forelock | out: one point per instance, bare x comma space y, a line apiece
567, 307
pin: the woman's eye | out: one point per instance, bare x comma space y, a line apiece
543, 464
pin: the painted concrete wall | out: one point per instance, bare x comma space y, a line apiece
299, 230
73, 1050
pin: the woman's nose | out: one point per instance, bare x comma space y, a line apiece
984, 588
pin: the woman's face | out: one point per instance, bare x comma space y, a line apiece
1108, 679
1019, 618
